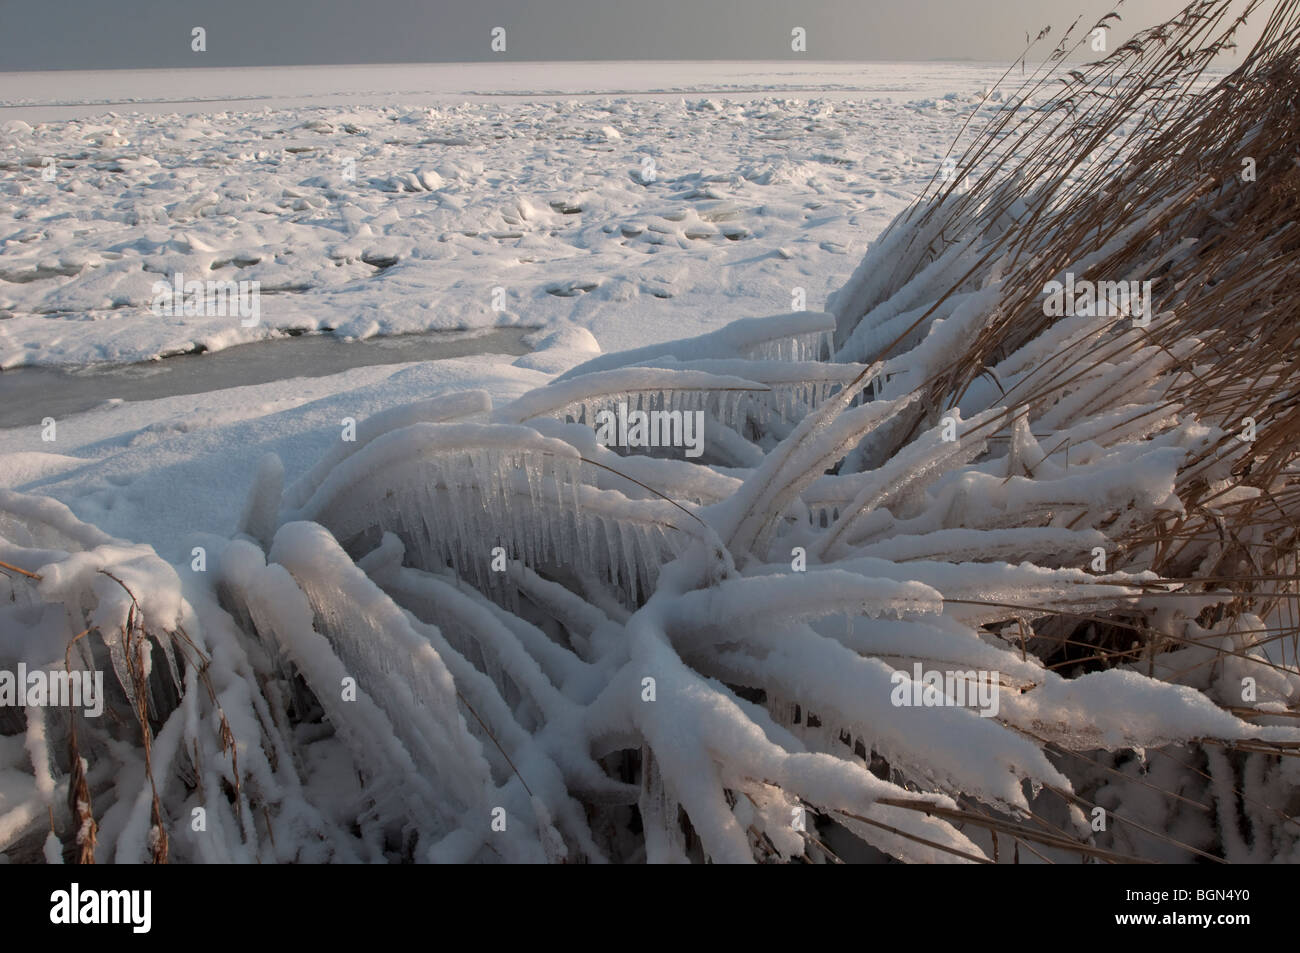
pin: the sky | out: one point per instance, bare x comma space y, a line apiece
141, 34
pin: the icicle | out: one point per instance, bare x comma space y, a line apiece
630, 575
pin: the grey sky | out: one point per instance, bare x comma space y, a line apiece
98, 34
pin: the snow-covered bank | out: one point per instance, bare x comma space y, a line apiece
29, 394
167, 470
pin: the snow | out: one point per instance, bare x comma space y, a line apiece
169, 471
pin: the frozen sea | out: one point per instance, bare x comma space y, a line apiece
584, 206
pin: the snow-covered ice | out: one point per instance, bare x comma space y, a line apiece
390, 218
769, 181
